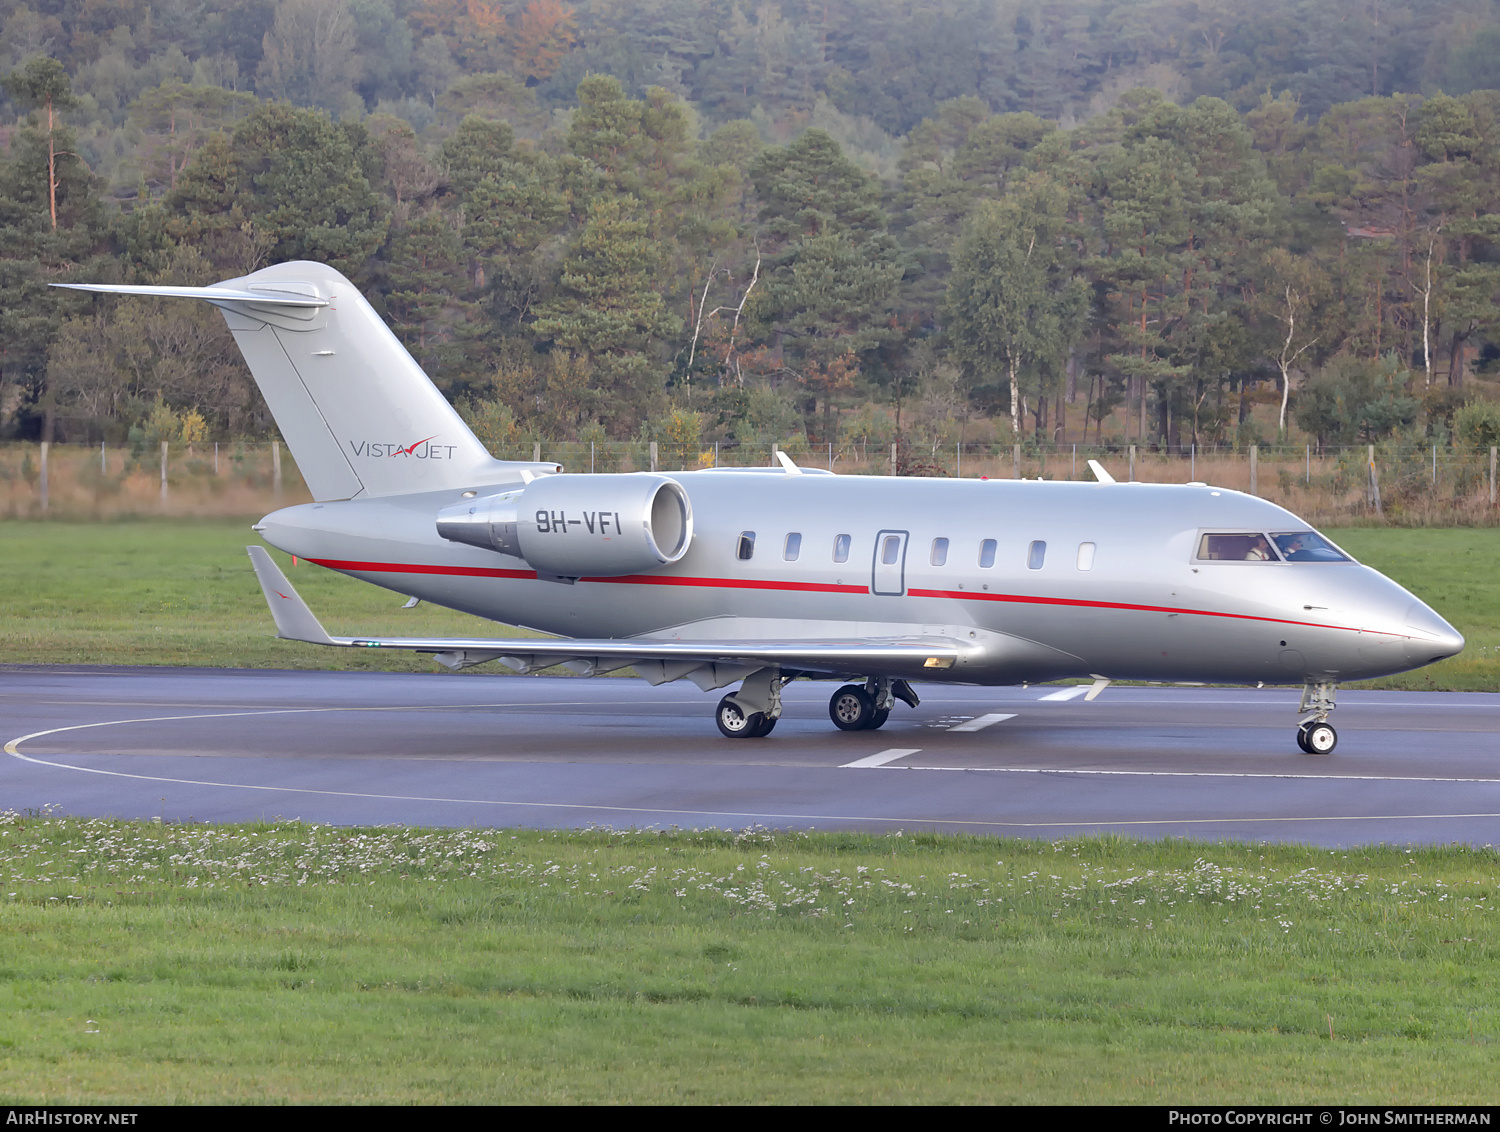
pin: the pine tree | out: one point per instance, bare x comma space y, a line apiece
1012, 303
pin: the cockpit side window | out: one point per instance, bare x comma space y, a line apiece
1307, 546
1240, 546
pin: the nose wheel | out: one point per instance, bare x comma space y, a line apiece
1317, 738
1315, 735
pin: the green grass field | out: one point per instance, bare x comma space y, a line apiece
181, 593
148, 963
183, 964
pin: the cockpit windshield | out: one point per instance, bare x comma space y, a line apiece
1241, 546
1307, 546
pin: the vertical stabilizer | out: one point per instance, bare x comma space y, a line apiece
359, 414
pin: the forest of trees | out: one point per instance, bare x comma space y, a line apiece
1103, 220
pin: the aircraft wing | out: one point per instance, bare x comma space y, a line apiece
708, 663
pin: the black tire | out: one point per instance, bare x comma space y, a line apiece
878, 719
1319, 738
851, 708
1302, 740
735, 723
767, 725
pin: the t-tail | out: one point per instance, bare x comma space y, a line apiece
360, 416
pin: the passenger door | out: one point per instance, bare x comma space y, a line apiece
888, 575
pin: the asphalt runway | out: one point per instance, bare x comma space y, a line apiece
543, 752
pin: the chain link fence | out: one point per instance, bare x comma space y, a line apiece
1433, 485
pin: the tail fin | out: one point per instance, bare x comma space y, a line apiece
357, 411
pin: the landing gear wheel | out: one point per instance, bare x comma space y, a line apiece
735, 723
1317, 738
767, 725
853, 709
878, 719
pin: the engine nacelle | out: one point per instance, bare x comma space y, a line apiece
575, 526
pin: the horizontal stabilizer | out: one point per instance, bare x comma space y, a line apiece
219, 295
294, 621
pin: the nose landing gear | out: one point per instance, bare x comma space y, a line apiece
1315, 735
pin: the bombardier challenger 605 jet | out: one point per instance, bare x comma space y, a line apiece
757, 577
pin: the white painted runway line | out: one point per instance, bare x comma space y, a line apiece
983, 721
884, 757
1067, 693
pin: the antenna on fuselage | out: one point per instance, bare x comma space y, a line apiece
1099, 473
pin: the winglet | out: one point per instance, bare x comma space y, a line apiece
1099, 473
787, 464
294, 621
1099, 684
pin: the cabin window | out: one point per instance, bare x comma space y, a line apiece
793, 547
1245, 546
939, 552
746, 549
1307, 546
987, 554
841, 548
890, 550
1085, 556
1036, 556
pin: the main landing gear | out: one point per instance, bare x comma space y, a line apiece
1316, 735
856, 708
752, 712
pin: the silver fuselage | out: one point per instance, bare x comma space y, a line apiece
1144, 609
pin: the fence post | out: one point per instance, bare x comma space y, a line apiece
1492, 475
276, 469
1015, 462
893, 468
216, 457
41, 482
1308, 455
591, 457
1374, 482
653, 455
1254, 469
104, 463
164, 469
1132, 463
958, 454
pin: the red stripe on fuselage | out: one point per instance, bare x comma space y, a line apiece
817, 587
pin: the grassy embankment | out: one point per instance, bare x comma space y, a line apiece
288, 963
181, 593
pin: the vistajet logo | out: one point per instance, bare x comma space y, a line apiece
422, 449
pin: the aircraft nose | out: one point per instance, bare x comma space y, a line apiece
1435, 639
